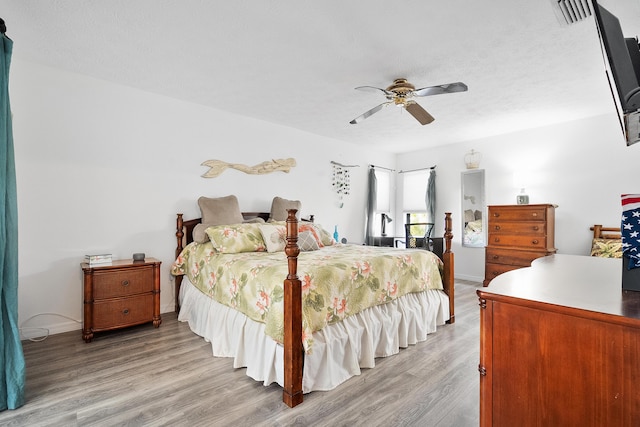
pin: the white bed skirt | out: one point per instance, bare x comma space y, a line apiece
339, 351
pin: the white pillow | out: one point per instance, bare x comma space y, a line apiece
274, 236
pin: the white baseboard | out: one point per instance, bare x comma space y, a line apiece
36, 332
469, 277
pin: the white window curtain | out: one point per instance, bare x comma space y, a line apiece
414, 190
383, 196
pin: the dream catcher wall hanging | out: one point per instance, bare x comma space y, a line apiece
341, 181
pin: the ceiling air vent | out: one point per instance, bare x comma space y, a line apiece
572, 11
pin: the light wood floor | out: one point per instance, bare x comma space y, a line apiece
144, 376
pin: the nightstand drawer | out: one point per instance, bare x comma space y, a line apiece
123, 311
117, 283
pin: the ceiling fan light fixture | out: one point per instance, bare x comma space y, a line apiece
401, 86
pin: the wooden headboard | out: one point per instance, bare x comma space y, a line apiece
600, 232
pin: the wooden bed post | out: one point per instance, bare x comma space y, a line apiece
178, 279
447, 258
293, 352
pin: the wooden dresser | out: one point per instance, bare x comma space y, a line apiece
560, 345
517, 234
122, 294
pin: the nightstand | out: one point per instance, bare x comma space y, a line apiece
119, 295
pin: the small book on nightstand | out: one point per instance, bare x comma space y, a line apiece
98, 259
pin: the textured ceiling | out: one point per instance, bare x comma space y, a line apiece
296, 62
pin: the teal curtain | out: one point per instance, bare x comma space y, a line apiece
12, 367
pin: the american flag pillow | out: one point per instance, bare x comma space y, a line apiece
630, 228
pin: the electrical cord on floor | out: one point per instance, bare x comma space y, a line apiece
46, 331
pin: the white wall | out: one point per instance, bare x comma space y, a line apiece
581, 166
102, 167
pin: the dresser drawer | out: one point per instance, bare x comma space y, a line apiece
122, 311
532, 228
519, 213
117, 283
511, 257
492, 270
520, 241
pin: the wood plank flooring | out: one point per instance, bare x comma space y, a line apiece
144, 376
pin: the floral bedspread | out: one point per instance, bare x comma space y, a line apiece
337, 281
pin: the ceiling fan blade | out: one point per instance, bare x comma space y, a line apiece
368, 113
419, 113
375, 89
437, 90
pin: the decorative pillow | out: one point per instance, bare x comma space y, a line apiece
311, 229
233, 239
325, 237
279, 208
220, 211
256, 220
307, 241
274, 236
607, 248
200, 230
200, 233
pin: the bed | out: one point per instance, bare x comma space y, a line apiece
271, 347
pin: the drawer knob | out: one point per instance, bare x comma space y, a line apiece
125, 283
496, 215
125, 311
535, 241
497, 227
496, 256
534, 214
536, 228
497, 239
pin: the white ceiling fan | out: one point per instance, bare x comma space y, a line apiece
401, 93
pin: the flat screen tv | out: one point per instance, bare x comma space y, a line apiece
623, 57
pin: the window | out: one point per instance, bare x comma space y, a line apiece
413, 217
383, 201
414, 204
413, 195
